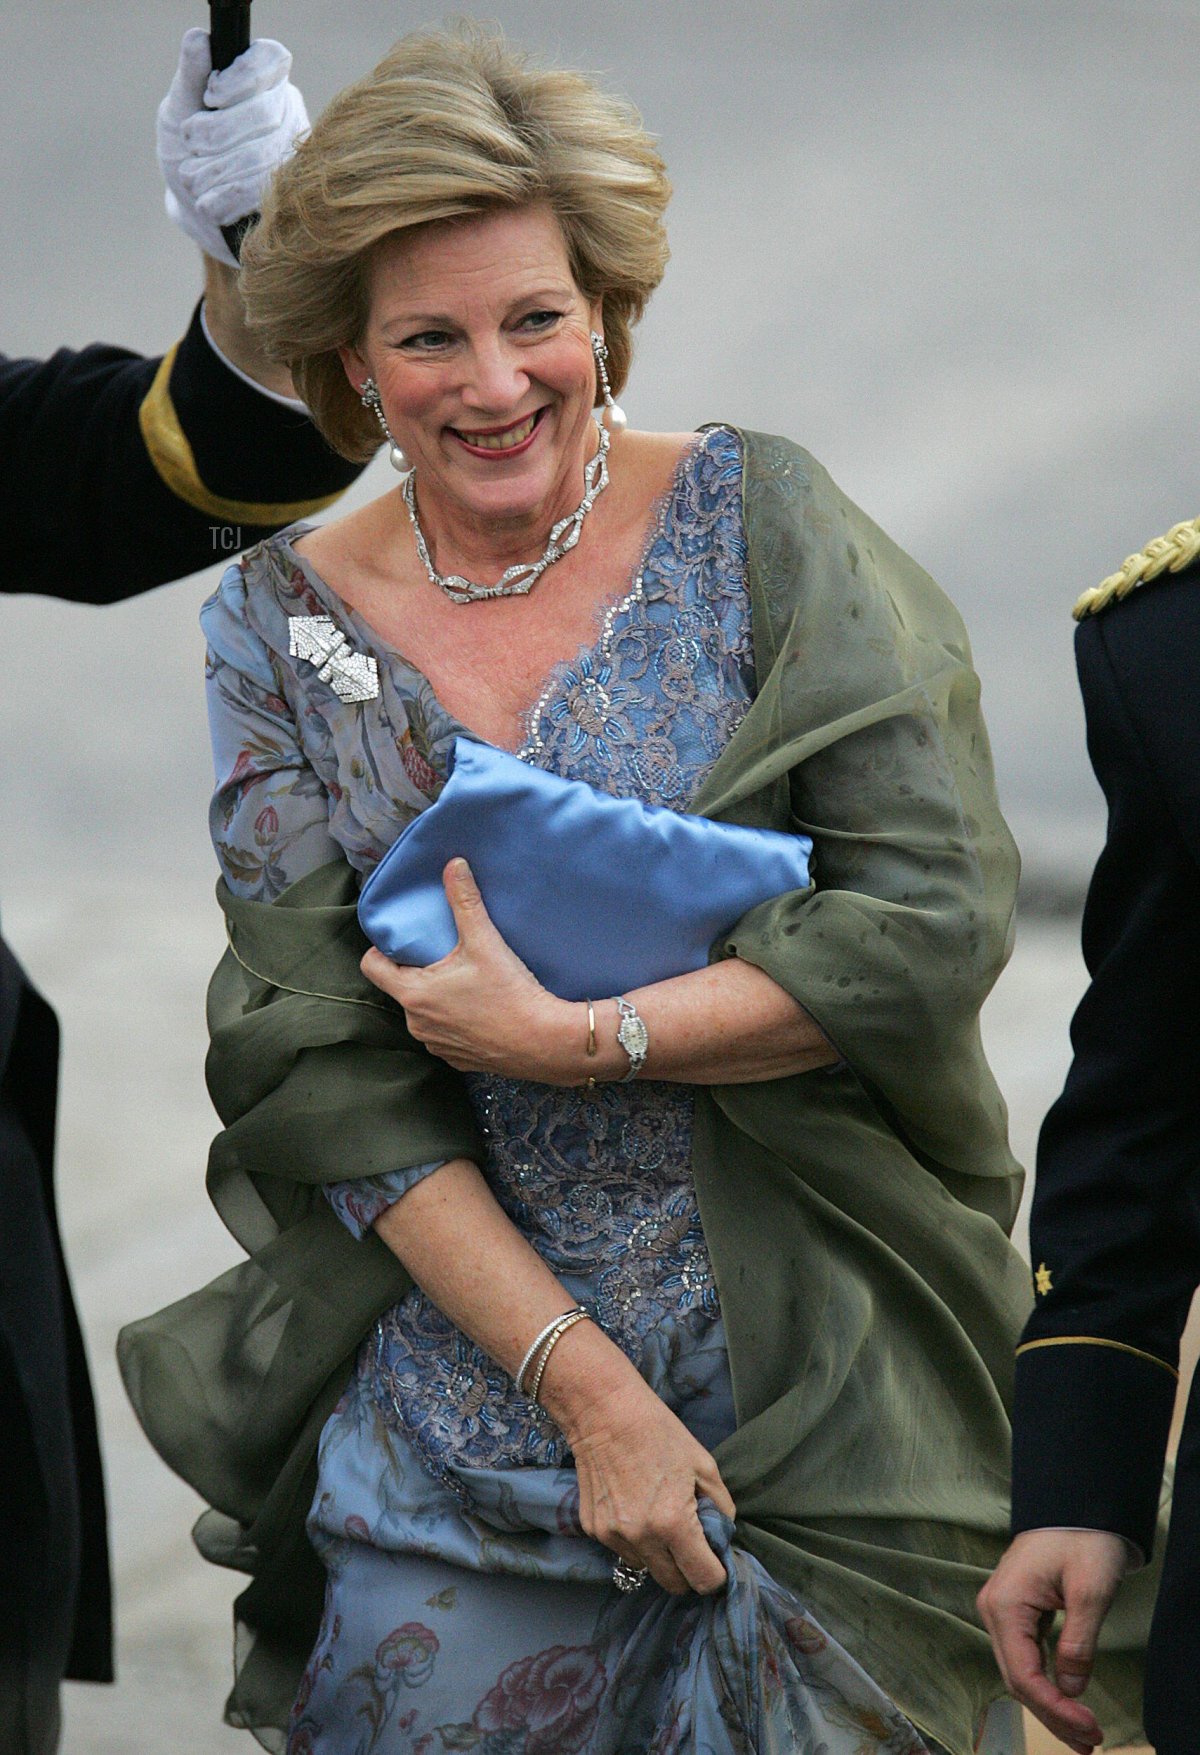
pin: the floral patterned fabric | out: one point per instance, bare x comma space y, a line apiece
483, 1619
465, 1607
359, 1203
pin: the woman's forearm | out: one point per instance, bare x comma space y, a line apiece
727, 1024
465, 1253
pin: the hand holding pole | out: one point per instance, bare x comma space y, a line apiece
223, 131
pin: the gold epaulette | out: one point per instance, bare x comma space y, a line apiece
1166, 554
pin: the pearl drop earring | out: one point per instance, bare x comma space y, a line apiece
614, 418
371, 399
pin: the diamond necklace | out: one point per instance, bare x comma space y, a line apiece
518, 580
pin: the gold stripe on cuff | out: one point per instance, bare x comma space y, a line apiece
173, 459
1099, 1341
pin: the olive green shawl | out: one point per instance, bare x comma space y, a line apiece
857, 1221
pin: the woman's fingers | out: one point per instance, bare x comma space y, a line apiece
678, 1555
664, 1572
401, 982
680, 1564
641, 1475
383, 973
470, 917
692, 1555
711, 1486
466, 904
478, 1008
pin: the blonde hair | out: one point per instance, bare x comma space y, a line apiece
448, 124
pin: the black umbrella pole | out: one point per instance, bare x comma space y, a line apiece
229, 34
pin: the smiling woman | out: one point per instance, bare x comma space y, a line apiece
629, 1269
480, 344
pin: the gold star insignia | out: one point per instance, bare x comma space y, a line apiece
1042, 1280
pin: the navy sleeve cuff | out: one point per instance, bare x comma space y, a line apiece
1090, 1426
212, 436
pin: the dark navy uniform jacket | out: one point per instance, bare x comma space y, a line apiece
116, 473
1115, 1231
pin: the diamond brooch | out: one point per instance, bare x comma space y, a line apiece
353, 676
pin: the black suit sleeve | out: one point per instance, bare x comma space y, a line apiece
1115, 1236
118, 472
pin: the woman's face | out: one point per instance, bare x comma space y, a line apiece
480, 343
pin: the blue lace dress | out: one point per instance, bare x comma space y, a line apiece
465, 1607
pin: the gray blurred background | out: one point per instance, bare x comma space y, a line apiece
950, 247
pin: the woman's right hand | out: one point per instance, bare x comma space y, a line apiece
641, 1473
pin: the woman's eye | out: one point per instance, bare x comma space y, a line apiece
427, 341
539, 320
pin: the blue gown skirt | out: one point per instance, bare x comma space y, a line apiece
471, 1612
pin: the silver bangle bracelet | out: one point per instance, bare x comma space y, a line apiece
566, 1323
531, 1355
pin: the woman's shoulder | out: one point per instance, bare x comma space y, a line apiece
349, 542
788, 492
661, 454
295, 571
666, 467
811, 547
258, 594
653, 450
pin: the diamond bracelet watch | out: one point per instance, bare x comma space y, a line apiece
633, 1036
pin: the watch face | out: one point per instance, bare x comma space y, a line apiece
633, 1037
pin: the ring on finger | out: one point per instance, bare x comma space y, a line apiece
629, 1578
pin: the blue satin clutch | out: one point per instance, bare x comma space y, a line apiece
595, 894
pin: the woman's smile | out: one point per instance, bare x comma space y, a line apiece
498, 442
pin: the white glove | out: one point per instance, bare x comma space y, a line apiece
221, 135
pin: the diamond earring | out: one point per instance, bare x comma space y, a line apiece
370, 398
614, 418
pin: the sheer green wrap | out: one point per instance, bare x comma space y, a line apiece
857, 1221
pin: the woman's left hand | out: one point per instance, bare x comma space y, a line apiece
480, 1009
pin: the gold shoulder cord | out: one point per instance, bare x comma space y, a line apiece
1166, 554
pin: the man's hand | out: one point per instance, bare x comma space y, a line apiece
1043, 1571
221, 135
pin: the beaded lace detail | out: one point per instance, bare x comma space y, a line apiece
601, 1182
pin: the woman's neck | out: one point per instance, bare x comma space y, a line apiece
483, 547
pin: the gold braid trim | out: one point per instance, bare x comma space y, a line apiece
1095, 1341
1166, 554
173, 459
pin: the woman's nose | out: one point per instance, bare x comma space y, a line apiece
496, 380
